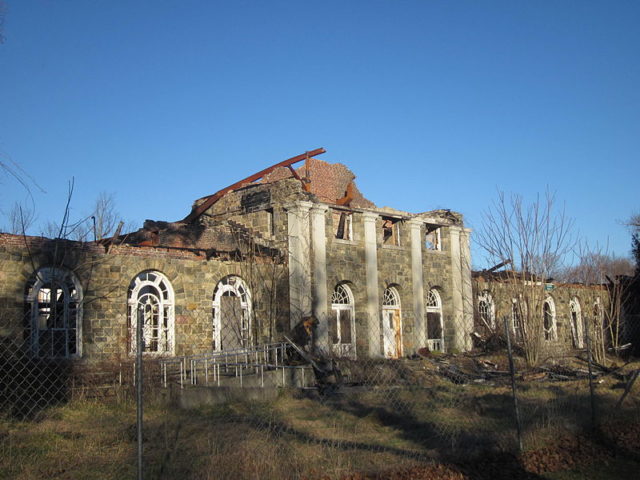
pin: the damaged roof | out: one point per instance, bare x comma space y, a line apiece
329, 182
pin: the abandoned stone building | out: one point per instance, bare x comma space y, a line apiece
247, 266
564, 308
285, 250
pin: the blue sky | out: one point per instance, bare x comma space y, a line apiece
431, 104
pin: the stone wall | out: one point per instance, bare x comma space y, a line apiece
562, 294
105, 278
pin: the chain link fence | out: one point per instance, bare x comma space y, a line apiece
288, 410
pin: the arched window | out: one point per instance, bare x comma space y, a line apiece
231, 314
53, 304
597, 312
435, 326
342, 322
576, 322
486, 311
391, 323
518, 318
549, 319
151, 303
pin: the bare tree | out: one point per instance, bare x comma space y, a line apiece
105, 216
594, 266
21, 218
535, 238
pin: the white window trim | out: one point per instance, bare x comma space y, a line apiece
435, 344
233, 284
577, 329
391, 303
44, 276
165, 305
345, 349
553, 330
486, 297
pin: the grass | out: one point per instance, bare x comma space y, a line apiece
296, 436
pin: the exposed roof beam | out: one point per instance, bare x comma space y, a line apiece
198, 210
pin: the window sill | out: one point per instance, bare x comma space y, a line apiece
392, 247
437, 252
345, 242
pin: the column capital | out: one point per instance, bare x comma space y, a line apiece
415, 222
370, 216
319, 208
300, 205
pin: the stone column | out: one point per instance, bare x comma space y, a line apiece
299, 261
417, 276
467, 291
456, 321
320, 299
373, 301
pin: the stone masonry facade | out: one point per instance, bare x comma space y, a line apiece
253, 266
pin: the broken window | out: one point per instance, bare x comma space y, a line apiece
53, 313
271, 225
486, 311
231, 314
432, 238
343, 225
342, 322
390, 231
549, 319
576, 322
151, 302
435, 327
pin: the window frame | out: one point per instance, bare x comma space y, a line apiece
235, 285
338, 310
577, 328
433, 305
64, 278
486, 298
392, 225
140, 287
434, 245
549, 334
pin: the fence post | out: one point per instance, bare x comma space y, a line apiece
139, 410
512, 371
590, 364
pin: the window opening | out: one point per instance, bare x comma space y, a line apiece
391, 323
486, 311
342, 322
518, 318
53, 309
576, 323
151, 302
232, 310
549, 319
271, 225
432, 238
435, 327
343, 222
390, 231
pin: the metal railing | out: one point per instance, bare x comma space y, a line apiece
211, 367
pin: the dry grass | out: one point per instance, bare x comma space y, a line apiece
296, 436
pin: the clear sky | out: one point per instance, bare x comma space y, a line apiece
432, 104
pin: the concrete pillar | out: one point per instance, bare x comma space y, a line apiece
319, 286
299, 261
373, 301
417, 276
467, 291
456, 321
